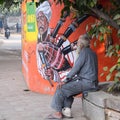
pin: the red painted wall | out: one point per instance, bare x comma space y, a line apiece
33, 79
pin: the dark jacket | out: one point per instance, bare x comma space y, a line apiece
86, 66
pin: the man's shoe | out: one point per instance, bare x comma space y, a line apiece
67, 112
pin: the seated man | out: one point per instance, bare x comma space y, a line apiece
83, 76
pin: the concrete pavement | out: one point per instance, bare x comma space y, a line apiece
14, 42
17, 102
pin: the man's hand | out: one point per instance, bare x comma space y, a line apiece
40, 47
49, 73
59, 85
63, 82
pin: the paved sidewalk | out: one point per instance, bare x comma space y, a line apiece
14, 41
16, 101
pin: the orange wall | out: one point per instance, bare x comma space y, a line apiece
33, 79
100, 48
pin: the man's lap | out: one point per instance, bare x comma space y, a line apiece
72, 88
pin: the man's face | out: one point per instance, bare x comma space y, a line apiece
42, 22
79, 46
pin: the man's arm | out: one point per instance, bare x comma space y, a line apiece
78, 64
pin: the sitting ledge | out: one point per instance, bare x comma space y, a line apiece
101, 105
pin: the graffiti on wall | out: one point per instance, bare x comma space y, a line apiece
54, 59
48, 39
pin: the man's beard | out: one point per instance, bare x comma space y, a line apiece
78, 51
41, 29
42, 37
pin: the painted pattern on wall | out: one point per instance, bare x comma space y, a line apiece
47, 55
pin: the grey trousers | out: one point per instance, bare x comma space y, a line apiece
63, 96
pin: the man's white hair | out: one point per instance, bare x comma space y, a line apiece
46, 9
85, 40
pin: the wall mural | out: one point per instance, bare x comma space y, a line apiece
48, 52
55, 56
